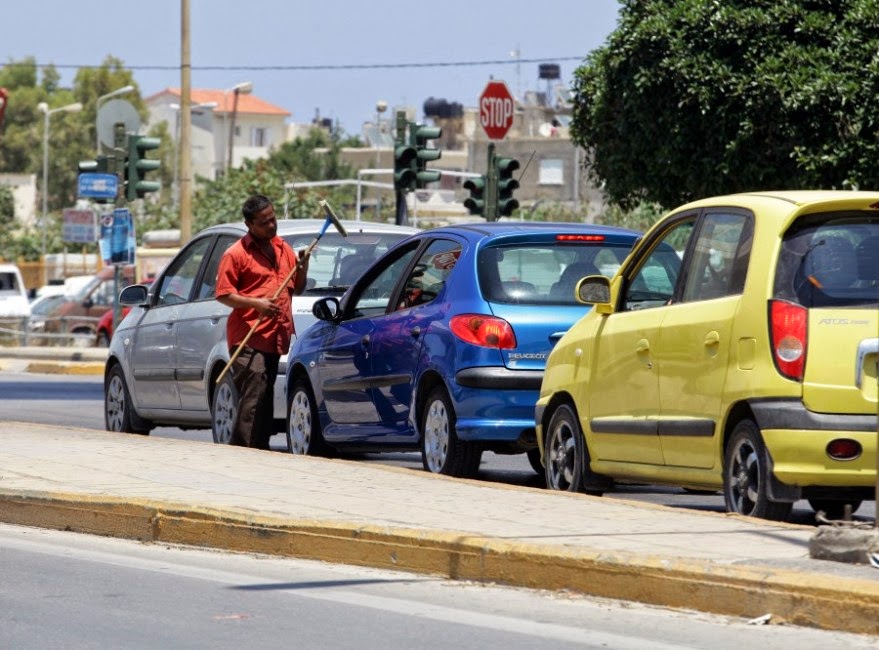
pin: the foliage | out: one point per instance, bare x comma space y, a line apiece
690, 98
313, 158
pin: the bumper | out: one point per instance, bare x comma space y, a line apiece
797, 438
496, 405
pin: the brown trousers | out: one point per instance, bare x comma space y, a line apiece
254, 373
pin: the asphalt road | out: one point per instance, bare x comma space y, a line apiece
77, 400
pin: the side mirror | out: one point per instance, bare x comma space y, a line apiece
134, 295
594, 290
327, 309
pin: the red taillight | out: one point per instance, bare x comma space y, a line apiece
787, 327
485, 331
844, 449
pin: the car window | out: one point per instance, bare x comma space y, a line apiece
830, 260
654, 282
330, 264
375, 297
428, 277
718, 263
543, 272
207, 285
175, 285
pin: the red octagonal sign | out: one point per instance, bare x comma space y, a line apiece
496, 108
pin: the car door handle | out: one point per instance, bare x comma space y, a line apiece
365, 340
415, 332
712, 339
642, 346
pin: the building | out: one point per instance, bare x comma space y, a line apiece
255, 124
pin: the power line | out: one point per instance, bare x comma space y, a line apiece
306, 68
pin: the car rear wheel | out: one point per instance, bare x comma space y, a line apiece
224, 410
304, 436
442, 452
834, 509
566, 457
119, 414
746, 476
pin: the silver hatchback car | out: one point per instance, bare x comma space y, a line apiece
166, 354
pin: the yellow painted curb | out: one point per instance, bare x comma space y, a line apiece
790, 596
65, 368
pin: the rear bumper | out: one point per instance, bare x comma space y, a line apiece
496, 405
796, 440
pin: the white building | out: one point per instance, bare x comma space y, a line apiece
258, 126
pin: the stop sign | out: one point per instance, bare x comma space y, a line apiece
496, 108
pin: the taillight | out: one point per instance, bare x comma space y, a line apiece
485, 331
844, 449
788, 337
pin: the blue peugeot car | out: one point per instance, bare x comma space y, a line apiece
442, 342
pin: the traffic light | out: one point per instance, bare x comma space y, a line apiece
475, 203
137, 165
506, 184
418, 136
404, 172
102, 165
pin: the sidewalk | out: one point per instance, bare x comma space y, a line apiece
53, 360
174, 491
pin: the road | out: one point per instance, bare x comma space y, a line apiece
63, 590
77, 400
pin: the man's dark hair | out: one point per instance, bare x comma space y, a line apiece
254, 205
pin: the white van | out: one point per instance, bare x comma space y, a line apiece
15, 309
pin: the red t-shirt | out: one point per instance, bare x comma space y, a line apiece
244, 269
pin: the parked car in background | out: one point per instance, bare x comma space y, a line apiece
75, 319
14, 305
735, 350
165, 357
441, 344
105, 326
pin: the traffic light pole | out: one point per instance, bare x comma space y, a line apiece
491, 211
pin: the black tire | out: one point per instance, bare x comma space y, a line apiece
834, 509
534, 460
746, 476
304, 436
224, 410
566, 457
442, 452
119, 414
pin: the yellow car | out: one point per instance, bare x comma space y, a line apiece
736, 348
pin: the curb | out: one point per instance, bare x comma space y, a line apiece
744, 591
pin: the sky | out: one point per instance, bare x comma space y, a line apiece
330, 58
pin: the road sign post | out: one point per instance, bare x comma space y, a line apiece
496, 110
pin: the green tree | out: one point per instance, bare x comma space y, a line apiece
690, 98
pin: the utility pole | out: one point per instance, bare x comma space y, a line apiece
185, 147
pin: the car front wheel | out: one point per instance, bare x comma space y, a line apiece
566, 457
119, 413
442, 452
303, 427
746, 476
224, 410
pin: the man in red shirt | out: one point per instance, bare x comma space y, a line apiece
250, 273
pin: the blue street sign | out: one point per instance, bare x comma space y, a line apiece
98, 186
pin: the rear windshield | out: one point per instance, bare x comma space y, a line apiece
339, 261
830, 261
544, 273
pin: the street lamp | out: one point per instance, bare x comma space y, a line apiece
194, 108
101, 100
43, 107
245, 88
